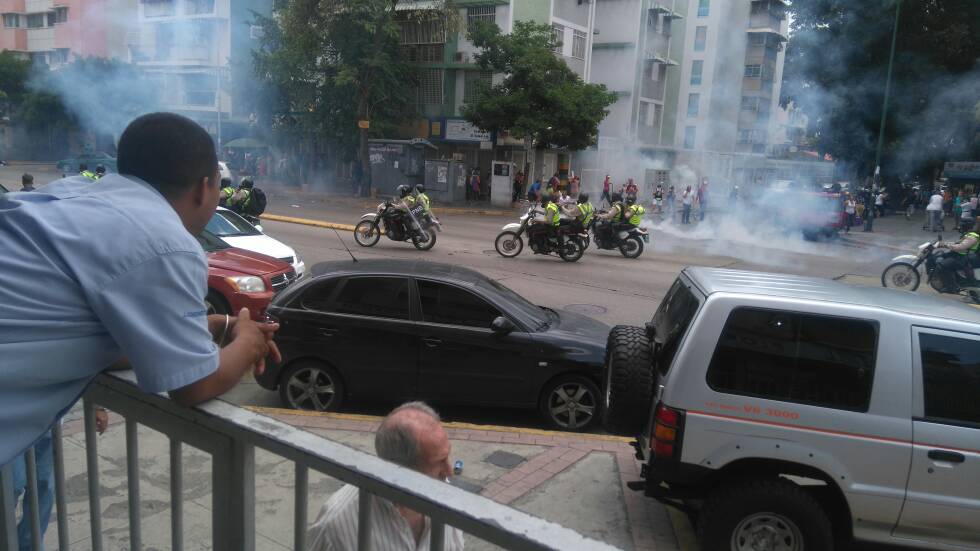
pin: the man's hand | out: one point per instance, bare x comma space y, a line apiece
256, 337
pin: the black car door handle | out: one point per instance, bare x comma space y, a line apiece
327, 331
943, 455
432, 342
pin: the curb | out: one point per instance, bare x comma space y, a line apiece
307, 222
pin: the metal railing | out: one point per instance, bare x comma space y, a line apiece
231, 435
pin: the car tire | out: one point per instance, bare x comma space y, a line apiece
300, 379
559, 395
769, 507
629, 380
214, 303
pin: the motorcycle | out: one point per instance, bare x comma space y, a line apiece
904, 272
628, 241
567, 242
396, 226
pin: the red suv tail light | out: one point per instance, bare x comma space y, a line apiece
665, 434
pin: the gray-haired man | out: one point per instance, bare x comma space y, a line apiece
411, 436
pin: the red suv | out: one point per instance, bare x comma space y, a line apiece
242, 279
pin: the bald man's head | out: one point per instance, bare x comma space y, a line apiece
412, 436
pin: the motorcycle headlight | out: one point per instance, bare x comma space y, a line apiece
247, 284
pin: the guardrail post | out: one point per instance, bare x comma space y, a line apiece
92, 466
437, 535
133, 479
8, 518
300, 507
233, 499
176, 496
363, 520
59, 485
31, 511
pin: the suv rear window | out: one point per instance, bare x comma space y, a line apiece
672, 319
809, 359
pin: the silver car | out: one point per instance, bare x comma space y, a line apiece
791, 413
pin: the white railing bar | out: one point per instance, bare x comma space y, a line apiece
364, 520
31, 502
58, 454
8, 517
233, 497
216, 420
133, 480
300, 508
176, 496
92, 466
437, 536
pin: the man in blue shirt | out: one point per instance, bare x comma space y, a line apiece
109, 272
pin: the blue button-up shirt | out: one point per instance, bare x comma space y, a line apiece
92, 272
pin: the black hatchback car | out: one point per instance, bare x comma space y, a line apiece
391, 330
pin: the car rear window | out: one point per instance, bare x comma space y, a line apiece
810, 359
672, 320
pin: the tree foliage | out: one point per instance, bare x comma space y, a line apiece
540, 97
836, 64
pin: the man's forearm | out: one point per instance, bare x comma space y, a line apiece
235, 360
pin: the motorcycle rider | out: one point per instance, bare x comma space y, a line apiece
582, 211
85, 172
545, 225
403, 204
227, 190
99, 171
962, 256
634, 212
610, 218
421, 198
240, 198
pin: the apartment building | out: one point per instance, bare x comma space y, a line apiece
55, 32
450, 77
198, 54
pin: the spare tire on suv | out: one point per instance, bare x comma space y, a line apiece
629, 380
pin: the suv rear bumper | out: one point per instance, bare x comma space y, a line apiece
669, 479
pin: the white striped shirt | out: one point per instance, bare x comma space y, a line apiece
335, 527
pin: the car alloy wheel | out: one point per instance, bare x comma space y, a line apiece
767, 532
572, 404
311, 388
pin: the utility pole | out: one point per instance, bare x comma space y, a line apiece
888, 84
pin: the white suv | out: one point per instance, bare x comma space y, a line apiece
792, 413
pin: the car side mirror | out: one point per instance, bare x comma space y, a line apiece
259, 227
502, 325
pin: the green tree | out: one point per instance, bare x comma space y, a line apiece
332, 63
14, 73
539, 99
836, 63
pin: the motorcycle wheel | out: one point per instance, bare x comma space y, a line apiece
508, 244
632, 247
366, 234
428, 244
571, 250
902, 276
586, 241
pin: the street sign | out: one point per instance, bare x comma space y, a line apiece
363, 124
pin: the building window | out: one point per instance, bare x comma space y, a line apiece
757, 39
690, 133
198, 7
703, 7
430, 86
950, 379
35, 20
11, 20
750, 103
159, 8
61, 15
697, 67
693, 105
39, 58
59, 56
558, 35
475, 82
199, 89
430, 31
791, 357
700, 38
578, 44
476, 14
753, 71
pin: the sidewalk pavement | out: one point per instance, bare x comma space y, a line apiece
896, 233
576, 480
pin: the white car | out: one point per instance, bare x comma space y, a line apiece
237, 232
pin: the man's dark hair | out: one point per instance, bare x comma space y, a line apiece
27, 179
82, 167
168, 151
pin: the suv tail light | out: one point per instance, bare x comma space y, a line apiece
666, 432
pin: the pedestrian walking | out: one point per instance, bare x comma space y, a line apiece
670, 202
850, 211
869, 203
27, 182
606, 191
518, 185
658, 199
880, 203
934, 212
688, 202
631, 189
702, 199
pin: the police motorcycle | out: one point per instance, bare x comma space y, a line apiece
396, 225
905, 272
566, 242
625, 238
424, 215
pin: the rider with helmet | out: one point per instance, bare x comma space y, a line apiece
611, 217
582, 211
99, 171
421, 198
545, 225
634, 212
224, 196
963, 255
240, 198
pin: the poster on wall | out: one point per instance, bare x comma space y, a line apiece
459, 130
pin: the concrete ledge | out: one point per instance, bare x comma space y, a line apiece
307, 222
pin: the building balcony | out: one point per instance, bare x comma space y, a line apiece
653, 89
648, 135
220, 448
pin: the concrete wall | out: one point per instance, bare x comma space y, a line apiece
572, 11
